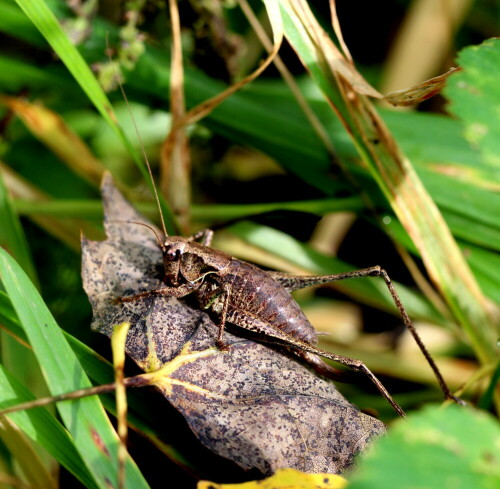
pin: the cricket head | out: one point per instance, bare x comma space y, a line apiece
173, 248
187, 261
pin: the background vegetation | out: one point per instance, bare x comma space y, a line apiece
279, 192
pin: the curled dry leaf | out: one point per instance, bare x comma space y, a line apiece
423, 91
251, 404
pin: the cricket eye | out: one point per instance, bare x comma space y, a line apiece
173, 253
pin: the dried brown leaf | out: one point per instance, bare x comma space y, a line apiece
251, 404
418, 93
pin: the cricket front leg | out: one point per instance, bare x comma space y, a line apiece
180, 291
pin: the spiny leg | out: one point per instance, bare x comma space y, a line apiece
359, 366
284, 339
222, 294
298, 282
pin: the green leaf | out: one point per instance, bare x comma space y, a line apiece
85, 419
474, 94
437, 448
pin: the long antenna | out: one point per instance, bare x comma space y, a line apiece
157, 198
139, 138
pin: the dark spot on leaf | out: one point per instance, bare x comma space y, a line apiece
96, 438
109, 483
489, 457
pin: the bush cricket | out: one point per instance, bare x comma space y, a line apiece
260, 301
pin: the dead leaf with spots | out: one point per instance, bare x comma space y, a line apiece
251, 404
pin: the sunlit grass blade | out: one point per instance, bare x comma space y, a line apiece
85, 419
15, 356
141, 418
46, 22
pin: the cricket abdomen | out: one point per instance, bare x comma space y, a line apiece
258, 302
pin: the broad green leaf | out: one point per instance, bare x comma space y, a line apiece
474, 95
453, 447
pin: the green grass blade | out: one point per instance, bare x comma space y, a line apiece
12, 236
46, 22
85, 419
43, 428
142, 415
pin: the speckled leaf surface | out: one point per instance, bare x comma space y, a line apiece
251, 404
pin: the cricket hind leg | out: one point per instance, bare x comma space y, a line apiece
311, 354
292, 282
359, 366
326, 370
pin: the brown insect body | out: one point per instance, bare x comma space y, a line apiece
257, 302
236, 291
